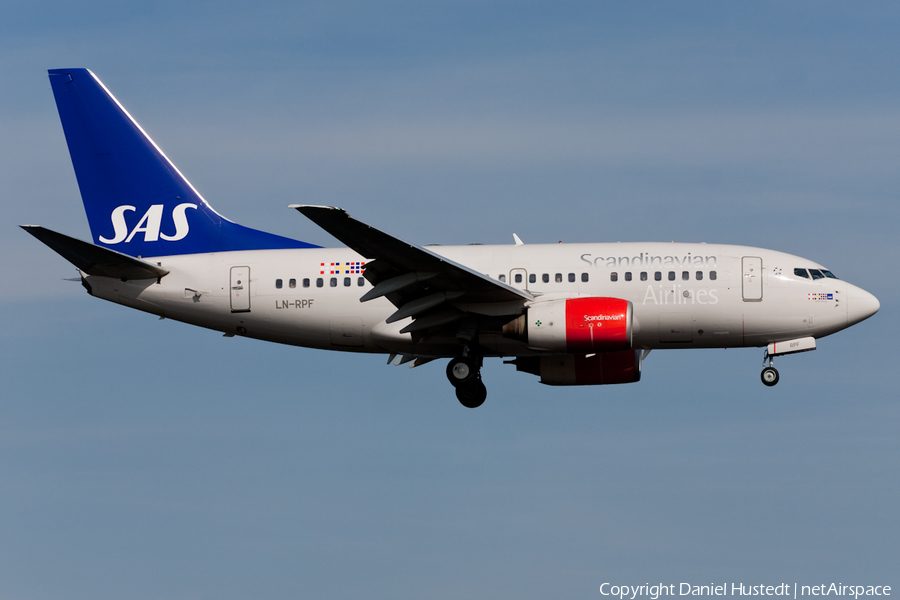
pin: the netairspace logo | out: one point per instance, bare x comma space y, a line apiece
654, 592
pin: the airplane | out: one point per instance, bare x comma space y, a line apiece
572, 314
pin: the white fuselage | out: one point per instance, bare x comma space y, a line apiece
684, 295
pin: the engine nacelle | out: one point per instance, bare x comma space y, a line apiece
575, 325
603, 368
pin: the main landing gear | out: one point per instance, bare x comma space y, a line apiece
769, 374
464, 372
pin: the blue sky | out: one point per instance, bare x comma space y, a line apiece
148, 459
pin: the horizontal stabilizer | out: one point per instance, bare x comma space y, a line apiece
96, 260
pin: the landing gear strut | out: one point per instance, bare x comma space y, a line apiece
464, 372
769, 374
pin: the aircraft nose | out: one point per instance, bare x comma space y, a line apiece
860, 305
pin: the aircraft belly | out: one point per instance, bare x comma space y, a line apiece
686, 326
326, 321
133, 294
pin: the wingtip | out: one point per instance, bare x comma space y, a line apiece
300, 207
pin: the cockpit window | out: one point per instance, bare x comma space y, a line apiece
801, 273
829, 274
816, 274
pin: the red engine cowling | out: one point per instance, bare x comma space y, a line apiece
603, 368
579, 325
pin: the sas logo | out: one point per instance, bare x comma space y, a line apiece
149, 224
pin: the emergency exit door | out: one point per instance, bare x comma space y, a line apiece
240, 289
751, 280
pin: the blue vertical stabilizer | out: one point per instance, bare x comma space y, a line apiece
137, 202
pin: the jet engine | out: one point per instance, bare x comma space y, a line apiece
575, 325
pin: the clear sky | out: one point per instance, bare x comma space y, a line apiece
148, 459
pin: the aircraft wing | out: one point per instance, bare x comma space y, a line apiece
96, 260
420, 283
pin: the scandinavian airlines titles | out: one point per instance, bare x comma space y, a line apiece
645, 259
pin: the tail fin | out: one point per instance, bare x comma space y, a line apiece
137, 202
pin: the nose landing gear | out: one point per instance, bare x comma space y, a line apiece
464, 372
769, 374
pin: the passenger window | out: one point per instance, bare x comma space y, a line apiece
518, 278
643, 275
627, 275
657, 276
571, 277
277, 284
346, 282
699, 275
532, 278
671, 275
306, 282
333, 282
292, 283
613, 276
320, 282
712, 275
559, 278
801, 273
685, 275
584, 277
816, 274
361, 281
545, 277
829, 274
502, 279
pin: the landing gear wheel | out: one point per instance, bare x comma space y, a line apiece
471, 395
769, 376
462, 371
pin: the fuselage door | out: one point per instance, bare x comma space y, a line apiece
518, 278
751, 278
240, 289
